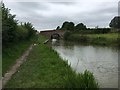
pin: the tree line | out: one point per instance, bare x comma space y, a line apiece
70, 26
81, 28
12, 31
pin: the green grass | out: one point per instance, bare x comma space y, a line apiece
81, 80
112, 36
11, 53
97, 39
45, 69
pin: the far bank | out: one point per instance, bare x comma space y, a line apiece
108, 39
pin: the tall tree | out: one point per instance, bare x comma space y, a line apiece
11, 31
115, 22
9, 25
65, 25
80, 26
70, 26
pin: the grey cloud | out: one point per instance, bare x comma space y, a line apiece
64, 3
119, 8
48, 15
32, 5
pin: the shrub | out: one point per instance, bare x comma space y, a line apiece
21, 33
84, 80
11, 31
83, 38
66, 35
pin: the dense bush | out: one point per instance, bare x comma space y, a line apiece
101, 30
95, 31
66, 35
9, 25
11, 31
74, 37
21, 33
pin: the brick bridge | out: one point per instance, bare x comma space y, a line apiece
49, 33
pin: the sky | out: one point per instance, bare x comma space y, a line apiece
48, 14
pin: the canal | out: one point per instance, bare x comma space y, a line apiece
101, 61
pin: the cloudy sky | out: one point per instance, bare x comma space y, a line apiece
49, 14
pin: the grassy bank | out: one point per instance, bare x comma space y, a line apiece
45, 69
13, 52
96, 39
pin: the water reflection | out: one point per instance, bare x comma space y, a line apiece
102, 61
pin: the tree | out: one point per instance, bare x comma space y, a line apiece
11, 31
21, 33
65, 25
68, 26
30, 28
96, 27
80, 26
58, 27
9, 25
115, 22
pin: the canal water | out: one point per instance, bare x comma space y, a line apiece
101, 61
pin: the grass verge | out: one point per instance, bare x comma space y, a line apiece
45, 69
110, 39
11, 53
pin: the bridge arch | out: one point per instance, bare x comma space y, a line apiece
55, 36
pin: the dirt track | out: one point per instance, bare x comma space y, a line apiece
15, 67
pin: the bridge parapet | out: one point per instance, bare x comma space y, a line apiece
49, 33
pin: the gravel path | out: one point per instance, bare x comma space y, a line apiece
15, 67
